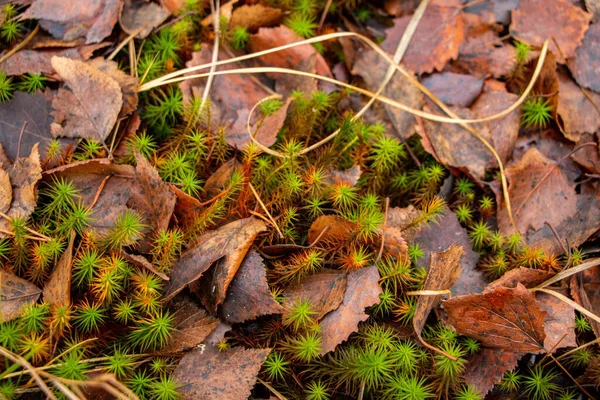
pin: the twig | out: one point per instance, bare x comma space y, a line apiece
20, 139
262, 205
124, 42
31, 369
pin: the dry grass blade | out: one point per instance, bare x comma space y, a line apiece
569, 302
568, 272
30, 369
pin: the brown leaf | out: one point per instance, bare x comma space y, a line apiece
338, 229
300, 58
127, 83
192, 326
92, 19
539, 191
91, 107
372, 68
24, 175
456, 147
505, 130
454, 89
230, 241
593, 6
35, 110
436, 41
57, 291
444, 270
559, 323
255, 16
527, 277
362, 291
219, 180
248, 296
228, 375
400, 221
439, 237
142, 263
585, 290
534, 21
510, 319
348, 176
5, 191
323, 290
187, 208
36, 62
145, 15
14, 294
588, 157
488, 366
152, 198
577, 113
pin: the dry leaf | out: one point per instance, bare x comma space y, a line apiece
35, 110
444, 269
14, 294
534, 21
372, 68
362, 291
24, 175
152, 198
57, 291
36, 62
401, 221
540, 192
436, 41
255, 16
230, 241
337, 229
5, 191
142, 263
559, 323
248, 296
144, 15
510, 319
437, 237
585, 290
348, 176
219, 180
527, 277
488, 366
577, 113
454, 89
211, 375
93, 20
90, 108
187, 208
323, 290
128, 83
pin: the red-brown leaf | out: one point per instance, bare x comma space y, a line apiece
57, 291
323, 290
15, 292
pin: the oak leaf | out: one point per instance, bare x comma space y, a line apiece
209, 375
506, 318
15, 292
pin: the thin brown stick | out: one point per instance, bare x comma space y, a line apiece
262, 205
98, 192
30, 369
20, 139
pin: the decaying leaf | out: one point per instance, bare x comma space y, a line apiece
454, 89
5, 191
488, 366
152, 198
323, 290
255, 16
35, 110
559, 323
444, 270
15, 292
209, 375
93, 20
230, 241
540, 192
586, 66
335, 228
506, 318
142, 15
527, 277
36, 61
437, 237
248, 296
577, 113
534, 21
585, 290
362, 290
57, 291
401, 221
436, 41
24, 175
91, 107
127, 83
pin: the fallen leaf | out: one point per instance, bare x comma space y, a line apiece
218, 334
14, 294
35, 110
152, 198
456, 147
93, 20
128, 83
174, 6
91, 107
534, 21
362, 291
230, 241
300, 58
588, 157
232, 97
372, 68
36, 61
505, 318
437, 237
539, 191
192, 326
504, 131
24, 175
401, 221
444, 270
323, 290
559, 323
142, 263
187, 208
5, 191
57, 290
436, 41
455, 89
593, 6
248, 296
255, 16
577, 113
228, 375
585, 290
488, 366
219, 180
338, 229
527, 277
348, 176
142, 15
